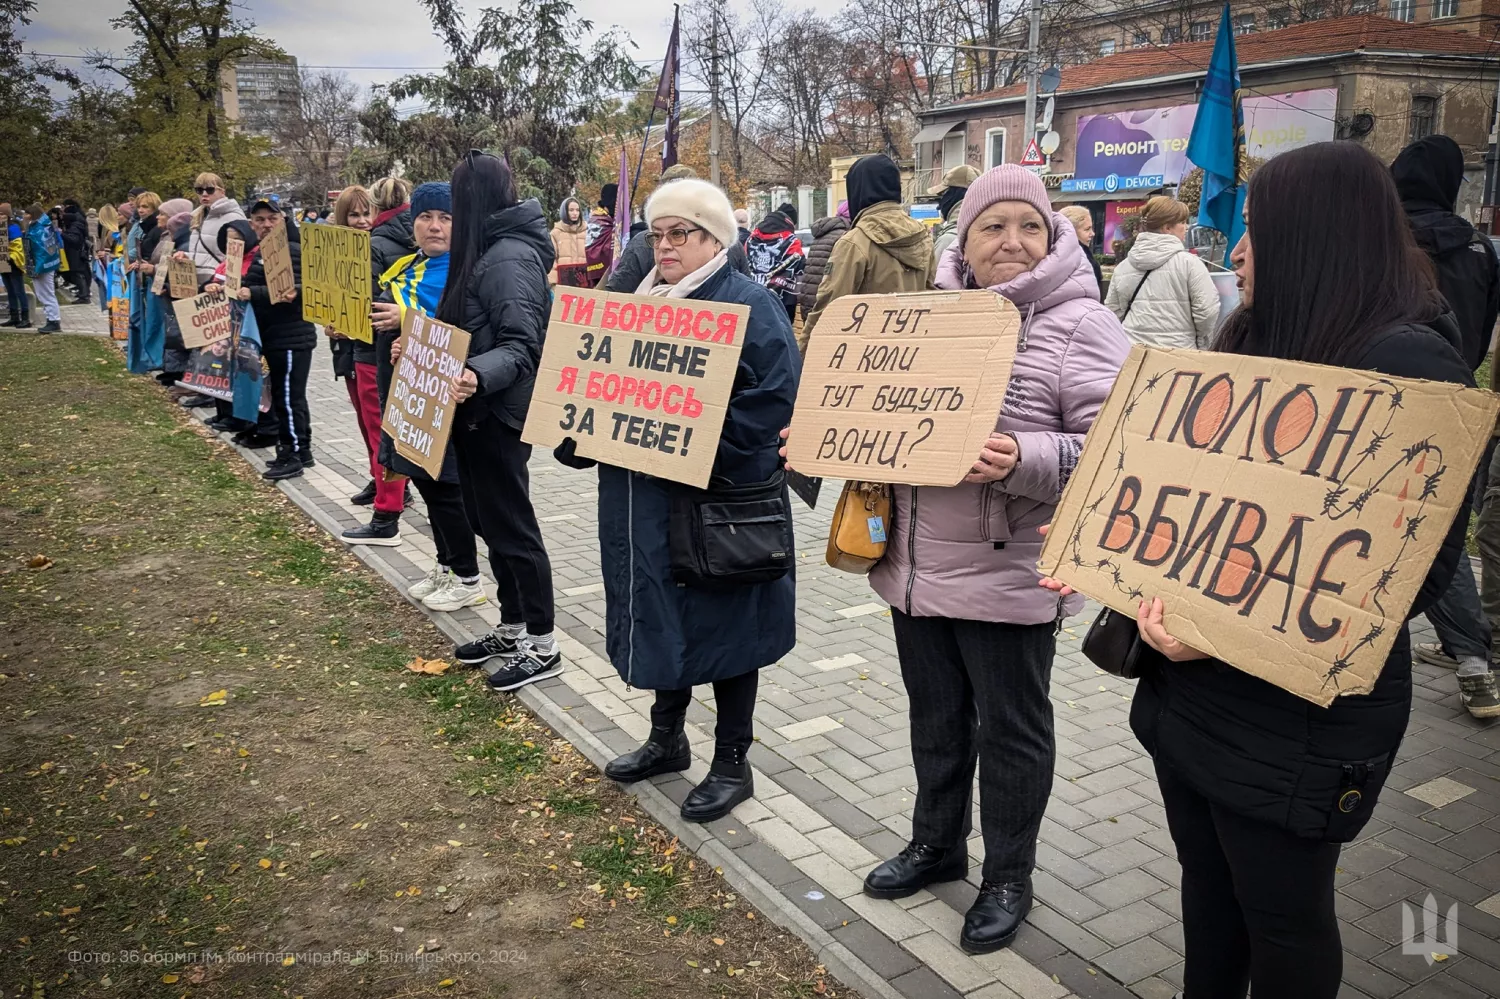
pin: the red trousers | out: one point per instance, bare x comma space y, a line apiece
365, 396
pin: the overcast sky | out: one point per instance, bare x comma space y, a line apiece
382, 37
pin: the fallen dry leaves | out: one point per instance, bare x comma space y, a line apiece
431, 667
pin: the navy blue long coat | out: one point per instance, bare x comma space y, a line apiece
662, 636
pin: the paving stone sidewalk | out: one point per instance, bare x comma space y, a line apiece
835, 786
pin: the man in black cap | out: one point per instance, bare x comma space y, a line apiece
776, 255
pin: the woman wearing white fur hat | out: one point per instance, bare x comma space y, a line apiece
670, 629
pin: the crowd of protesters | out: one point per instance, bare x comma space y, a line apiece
1403, 286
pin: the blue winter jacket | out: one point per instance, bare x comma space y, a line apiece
43, 247
662, 636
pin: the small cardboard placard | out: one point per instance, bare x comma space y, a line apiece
182, 278
638, 382
336, 279
419, 409
159, 278
1285, 513
205, 319
903, 388
119, 319
276, 258
5, 260
234, 264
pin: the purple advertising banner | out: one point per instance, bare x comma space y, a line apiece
1154, 140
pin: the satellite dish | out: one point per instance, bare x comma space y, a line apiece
1361, 124
1050, 142
1045, 123
1050, 79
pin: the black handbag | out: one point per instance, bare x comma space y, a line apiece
731, 535
1114, 644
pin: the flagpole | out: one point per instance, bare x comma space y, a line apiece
668, 80
645, 141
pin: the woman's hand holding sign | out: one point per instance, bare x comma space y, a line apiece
1001, 453
465, 385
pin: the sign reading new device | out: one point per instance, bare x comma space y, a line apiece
336, 279
903, 388
205, 319
1285, 513
419, 410
638, 382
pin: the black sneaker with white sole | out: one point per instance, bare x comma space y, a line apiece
529, 666
487, 647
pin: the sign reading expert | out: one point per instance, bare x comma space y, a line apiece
903, 388
638, 382
1286, 513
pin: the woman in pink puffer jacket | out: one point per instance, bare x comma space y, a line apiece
975, 634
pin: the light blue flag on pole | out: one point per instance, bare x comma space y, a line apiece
1217, 144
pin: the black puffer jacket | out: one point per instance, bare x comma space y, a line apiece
1267, 754
504, 308
281, 324
390, 240
826, 232
1428, 174
75, 237
636, 261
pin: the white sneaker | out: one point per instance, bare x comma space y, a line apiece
454, 594
431, 584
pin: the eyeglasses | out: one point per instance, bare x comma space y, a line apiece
674, 237
205, 190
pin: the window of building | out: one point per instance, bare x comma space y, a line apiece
1423, 117
1244, 24
1170, 36
994, 147
1313, 11
1107, 47
1279, 17
1140, 39
1444, 8
1200, 31
1403, 10
1364, 7
953, 147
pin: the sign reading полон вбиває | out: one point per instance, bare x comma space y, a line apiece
1285, 513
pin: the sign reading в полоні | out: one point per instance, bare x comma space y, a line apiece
234, 264
1285, 513
205, 319
638, 382
903, 388
276, 260
419, 410
336, 279
182, 278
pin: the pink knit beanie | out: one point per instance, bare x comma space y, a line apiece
1007, 182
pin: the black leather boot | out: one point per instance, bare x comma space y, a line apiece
996, 915
665, 752
916, 867
728, 783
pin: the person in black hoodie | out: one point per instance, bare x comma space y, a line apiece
75, 240
1261, 788
286, 339
1428, 174
497, 291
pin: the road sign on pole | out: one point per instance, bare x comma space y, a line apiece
1033, 155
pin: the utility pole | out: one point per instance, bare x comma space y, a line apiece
1033, 67
1492, 188
713, 85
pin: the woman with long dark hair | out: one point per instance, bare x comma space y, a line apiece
497, 292
1261, 788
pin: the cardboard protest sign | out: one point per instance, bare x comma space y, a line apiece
336, 279
234, 264
1285, 513
419, 410
205, 319
638, 382
5, 261
159, 279
119, 318
210, 370
182, 278
903, 388
276, 258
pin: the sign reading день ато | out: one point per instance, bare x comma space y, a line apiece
336, 279
903, 388
638, 382
1285, 513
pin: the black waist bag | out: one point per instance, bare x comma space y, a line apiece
728, 535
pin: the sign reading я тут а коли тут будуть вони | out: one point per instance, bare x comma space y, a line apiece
1285, 513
